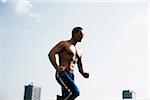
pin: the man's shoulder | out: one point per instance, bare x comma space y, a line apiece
63, 42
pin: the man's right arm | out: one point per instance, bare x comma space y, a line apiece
52, 54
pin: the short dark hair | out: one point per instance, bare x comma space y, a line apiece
76, 29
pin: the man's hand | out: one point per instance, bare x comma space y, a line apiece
86, 75
61, 68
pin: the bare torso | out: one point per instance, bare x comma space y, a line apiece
68, 56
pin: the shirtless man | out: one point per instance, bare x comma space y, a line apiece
68, 57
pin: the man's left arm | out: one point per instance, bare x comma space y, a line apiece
80, 67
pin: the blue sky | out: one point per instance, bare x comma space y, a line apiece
114, 48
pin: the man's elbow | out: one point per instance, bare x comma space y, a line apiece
49, 54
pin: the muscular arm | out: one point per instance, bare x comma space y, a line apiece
79, 63
80, 67
55, 50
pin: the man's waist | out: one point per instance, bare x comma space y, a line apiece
69, 72
68, 68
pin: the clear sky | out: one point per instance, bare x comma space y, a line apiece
114, 48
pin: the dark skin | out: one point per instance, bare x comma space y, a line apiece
68, 55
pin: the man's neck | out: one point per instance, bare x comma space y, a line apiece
73, 42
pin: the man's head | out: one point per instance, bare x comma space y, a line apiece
77, 34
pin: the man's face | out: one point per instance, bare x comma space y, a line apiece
78, 36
